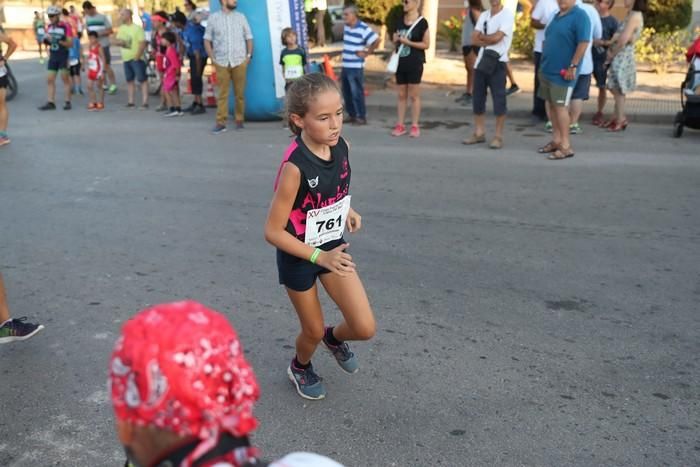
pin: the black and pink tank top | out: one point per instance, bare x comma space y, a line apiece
322, 184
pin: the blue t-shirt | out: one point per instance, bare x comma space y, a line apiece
561, 38
610, 25
74, 52
146, 22
193, 36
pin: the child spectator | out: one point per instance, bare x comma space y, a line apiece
171, 74
74, 53
292, 58
95, 73
160, 23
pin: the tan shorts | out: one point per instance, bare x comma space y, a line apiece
553, 93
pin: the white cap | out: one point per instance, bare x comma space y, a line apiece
305, 459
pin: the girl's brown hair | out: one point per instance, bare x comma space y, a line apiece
302, 92
286, 32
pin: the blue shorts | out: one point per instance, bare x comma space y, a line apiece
582, 88
600, 72
299, 274
135, 69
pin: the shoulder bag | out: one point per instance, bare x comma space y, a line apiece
393, 64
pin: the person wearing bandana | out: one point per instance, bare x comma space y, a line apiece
183, 392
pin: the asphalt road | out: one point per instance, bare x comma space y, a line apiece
530, 313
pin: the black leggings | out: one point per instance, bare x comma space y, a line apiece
196, 75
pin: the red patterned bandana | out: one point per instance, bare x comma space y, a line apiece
180, 367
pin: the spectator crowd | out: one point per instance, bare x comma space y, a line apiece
575, 42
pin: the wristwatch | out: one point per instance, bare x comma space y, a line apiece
573, 65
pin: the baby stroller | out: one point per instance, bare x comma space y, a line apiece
690, 100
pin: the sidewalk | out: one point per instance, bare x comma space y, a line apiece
656, 100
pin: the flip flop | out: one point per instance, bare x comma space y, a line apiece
475, 139
549, 147
559, 155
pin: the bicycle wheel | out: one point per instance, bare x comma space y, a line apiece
153, 79
12, 85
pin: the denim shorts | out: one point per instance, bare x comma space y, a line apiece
582, 88
496, 83
135, 69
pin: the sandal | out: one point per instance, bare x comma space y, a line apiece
561, 154
549, 147
496, 143
475, 139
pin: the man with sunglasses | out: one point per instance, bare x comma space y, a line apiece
58, 40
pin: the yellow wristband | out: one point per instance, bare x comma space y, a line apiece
314, 256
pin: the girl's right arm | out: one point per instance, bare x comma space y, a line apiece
276, 227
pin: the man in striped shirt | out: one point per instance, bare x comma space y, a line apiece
359, 41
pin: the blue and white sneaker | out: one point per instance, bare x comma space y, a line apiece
218, 129
344, 356
307, 382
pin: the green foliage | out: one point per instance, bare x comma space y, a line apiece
375, 11
524, 37
669, 15
660, 50
394, 18
451, 31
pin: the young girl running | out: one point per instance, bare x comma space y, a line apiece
95, 74
309, 213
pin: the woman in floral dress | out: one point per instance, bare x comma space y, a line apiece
622, 77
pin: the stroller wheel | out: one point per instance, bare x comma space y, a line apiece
677, 129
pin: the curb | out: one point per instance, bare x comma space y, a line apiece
459, 113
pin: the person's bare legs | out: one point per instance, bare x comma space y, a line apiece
414, 95
402, 103
350, 296
4, 309
130, 91
575, 110
67, 86
619, 113
560, 126
109, 72
480, 124
500, 125
144, 93
51, 87
92, 96
4, 114
602, 99
470, 62
310, 314
509, 72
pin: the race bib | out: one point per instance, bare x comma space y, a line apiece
40, 31
324, 225
3, 71
73, 62
93, 65
293, 72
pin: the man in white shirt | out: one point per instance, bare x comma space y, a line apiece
541, 14
583, 84
228, 41
494, 34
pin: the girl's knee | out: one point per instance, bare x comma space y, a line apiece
313, 333
365, 331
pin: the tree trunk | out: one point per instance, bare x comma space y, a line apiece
430, 12
382, 38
